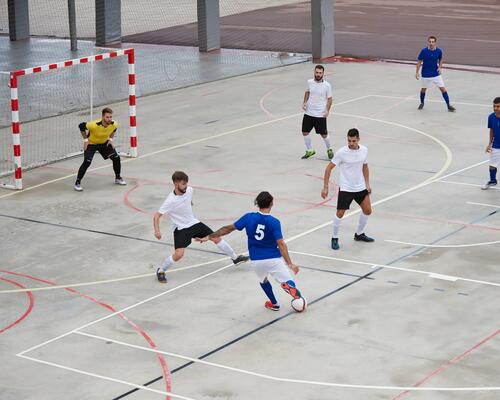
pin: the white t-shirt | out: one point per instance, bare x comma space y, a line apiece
319, 93
179, 209
350, 163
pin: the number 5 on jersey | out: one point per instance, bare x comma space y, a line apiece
259, 232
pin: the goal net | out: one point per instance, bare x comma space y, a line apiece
41, 108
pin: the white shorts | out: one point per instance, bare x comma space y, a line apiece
494, 160
275, 267
434, 81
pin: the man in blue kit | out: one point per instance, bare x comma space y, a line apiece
494, 143
431, 61
268, 251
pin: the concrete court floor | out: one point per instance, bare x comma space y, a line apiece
394, 326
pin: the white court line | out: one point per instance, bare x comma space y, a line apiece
126, 309
483, 204
417, 271
107, 378
443, 246
433, 101
465, 184
288, 380
126, 278
218, 135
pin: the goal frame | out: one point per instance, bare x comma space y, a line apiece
14, 102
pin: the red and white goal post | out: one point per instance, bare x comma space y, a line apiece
41, 138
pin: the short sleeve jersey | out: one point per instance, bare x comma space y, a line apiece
179, 209
98, 134
430, 61
263, 232
494, 124
319, 93
350, 163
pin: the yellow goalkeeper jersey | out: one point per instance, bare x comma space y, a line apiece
98, 134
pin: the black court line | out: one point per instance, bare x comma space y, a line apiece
329, 271
361, 278
76, 228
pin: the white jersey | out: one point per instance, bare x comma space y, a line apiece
319, 93
179, 209
350, 163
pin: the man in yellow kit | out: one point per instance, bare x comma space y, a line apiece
98, 136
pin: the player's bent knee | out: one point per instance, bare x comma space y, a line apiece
340, 213
178, 254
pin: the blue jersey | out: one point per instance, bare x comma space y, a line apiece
430, 61
263, 231
494, 124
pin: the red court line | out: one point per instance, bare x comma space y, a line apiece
137, 328
448, 364
28, 310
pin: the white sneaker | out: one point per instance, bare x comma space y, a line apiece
489, 184
77, 187
120, 181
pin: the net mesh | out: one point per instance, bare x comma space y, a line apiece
53, 103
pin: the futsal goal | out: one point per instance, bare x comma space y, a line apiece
41, 108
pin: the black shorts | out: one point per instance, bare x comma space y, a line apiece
345, 198
182, 237
319, 124
104, 150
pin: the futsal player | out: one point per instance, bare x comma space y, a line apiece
317, 102
494, 143
98, 136
268, 251
431, 61
354, 184
178, 206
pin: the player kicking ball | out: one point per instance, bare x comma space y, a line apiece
179, 207
354, 184
268, 251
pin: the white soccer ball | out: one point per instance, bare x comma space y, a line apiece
299, 304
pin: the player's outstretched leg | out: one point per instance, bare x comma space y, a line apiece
227, 249
291, 289
272, 303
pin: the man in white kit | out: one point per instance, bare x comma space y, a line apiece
178, 205
317, 103
354, 184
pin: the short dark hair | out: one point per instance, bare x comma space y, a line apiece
319, 66
107, 110
496, 100
264, 200
432, 37
353, 132
179, 176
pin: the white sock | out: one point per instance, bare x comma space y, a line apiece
327, 142
336, 226
307, 141
363, 219
167, 263
226, 248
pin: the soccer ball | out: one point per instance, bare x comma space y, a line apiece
299, 304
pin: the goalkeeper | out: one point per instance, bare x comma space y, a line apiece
98, 136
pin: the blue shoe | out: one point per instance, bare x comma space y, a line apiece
363, 238
335, 243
